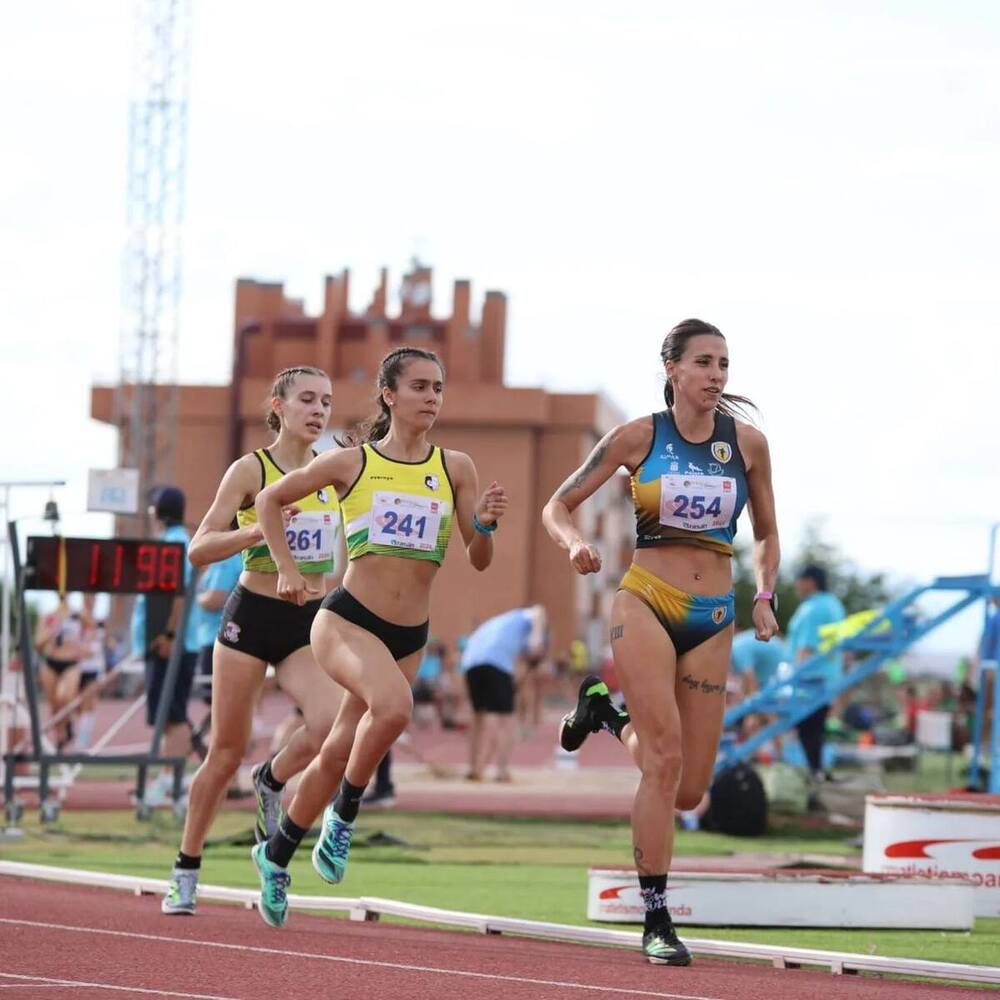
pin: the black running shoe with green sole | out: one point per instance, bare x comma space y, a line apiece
583, 720
661, 946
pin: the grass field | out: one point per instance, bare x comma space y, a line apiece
534, 869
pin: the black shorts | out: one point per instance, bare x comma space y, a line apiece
423, 691
86, 680
490, 689
59, 667
400, 640
265, 627
156, 673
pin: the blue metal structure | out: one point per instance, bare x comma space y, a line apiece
793, 697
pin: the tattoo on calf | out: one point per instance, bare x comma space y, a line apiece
576, 481
617, 631
638, 856
705, 687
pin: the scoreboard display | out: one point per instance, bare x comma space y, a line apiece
104, 565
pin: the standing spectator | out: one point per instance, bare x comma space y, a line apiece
756, 662
818, 608
488, 663
155, 641
59, 640
93, 664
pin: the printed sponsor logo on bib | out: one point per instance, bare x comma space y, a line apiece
406, 521
697, 503
310, 536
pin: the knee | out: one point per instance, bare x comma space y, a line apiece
223, 759
392, 714
688, 797
661, 765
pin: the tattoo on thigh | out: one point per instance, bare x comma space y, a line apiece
617, 631
705, 687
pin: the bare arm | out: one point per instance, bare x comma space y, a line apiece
624, 445
338, 468
215, 538
212, 600
488, 508
760, 503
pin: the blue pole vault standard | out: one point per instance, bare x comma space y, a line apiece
792, 698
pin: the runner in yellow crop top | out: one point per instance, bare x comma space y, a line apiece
400, 496
692, 468
257, 628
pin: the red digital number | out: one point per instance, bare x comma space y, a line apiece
170, 567
116, 576
146, 564
95, 561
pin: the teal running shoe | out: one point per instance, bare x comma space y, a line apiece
661, 946
329, 856
182, 892
268, 807
274, 883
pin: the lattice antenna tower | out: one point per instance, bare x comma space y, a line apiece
146, 400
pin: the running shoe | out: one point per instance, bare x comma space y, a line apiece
182, 892
274, 883
329, 856
583, 720
268, 807
662, 947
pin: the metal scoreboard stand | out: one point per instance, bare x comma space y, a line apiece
96, 565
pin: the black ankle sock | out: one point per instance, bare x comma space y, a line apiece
267, 776
612, 719
653, 889
348, 801
188, 861
286, 839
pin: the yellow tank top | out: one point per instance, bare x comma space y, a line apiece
399, 508
310, 534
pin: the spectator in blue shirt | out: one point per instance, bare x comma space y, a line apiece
818, 607
154, 641
488, 663
756, 662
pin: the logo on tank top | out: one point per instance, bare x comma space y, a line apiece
432, 482
693, 468
719, 614
714, 469
721, 451
322, 496
668, 451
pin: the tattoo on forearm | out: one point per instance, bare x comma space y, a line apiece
639, 861
705, 687
617, 631
576, 481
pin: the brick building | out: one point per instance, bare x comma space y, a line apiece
527, 439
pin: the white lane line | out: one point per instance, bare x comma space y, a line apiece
356, 961
44, 981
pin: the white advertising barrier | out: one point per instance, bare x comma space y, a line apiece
719, 899
935, 837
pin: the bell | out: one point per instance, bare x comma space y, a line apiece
51, 512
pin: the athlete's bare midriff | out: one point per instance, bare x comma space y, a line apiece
393, 587
266, 584
690, 568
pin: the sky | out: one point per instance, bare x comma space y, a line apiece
818, 180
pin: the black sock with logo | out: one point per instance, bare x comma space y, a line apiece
188, 862
285, 841
268, 778
653, 889
348, 801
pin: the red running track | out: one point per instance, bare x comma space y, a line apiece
88, 944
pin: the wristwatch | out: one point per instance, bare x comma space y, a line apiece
769, 596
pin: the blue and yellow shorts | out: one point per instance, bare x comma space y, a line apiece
689, 619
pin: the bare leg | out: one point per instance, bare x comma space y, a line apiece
505, 745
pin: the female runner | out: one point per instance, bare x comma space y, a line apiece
693, 468
400, 496
257, 628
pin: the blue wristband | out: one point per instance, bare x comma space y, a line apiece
483, 529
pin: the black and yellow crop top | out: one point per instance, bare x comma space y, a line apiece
310, 534
399, 508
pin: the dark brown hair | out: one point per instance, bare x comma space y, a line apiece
282, 383
375, 427
675, 344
